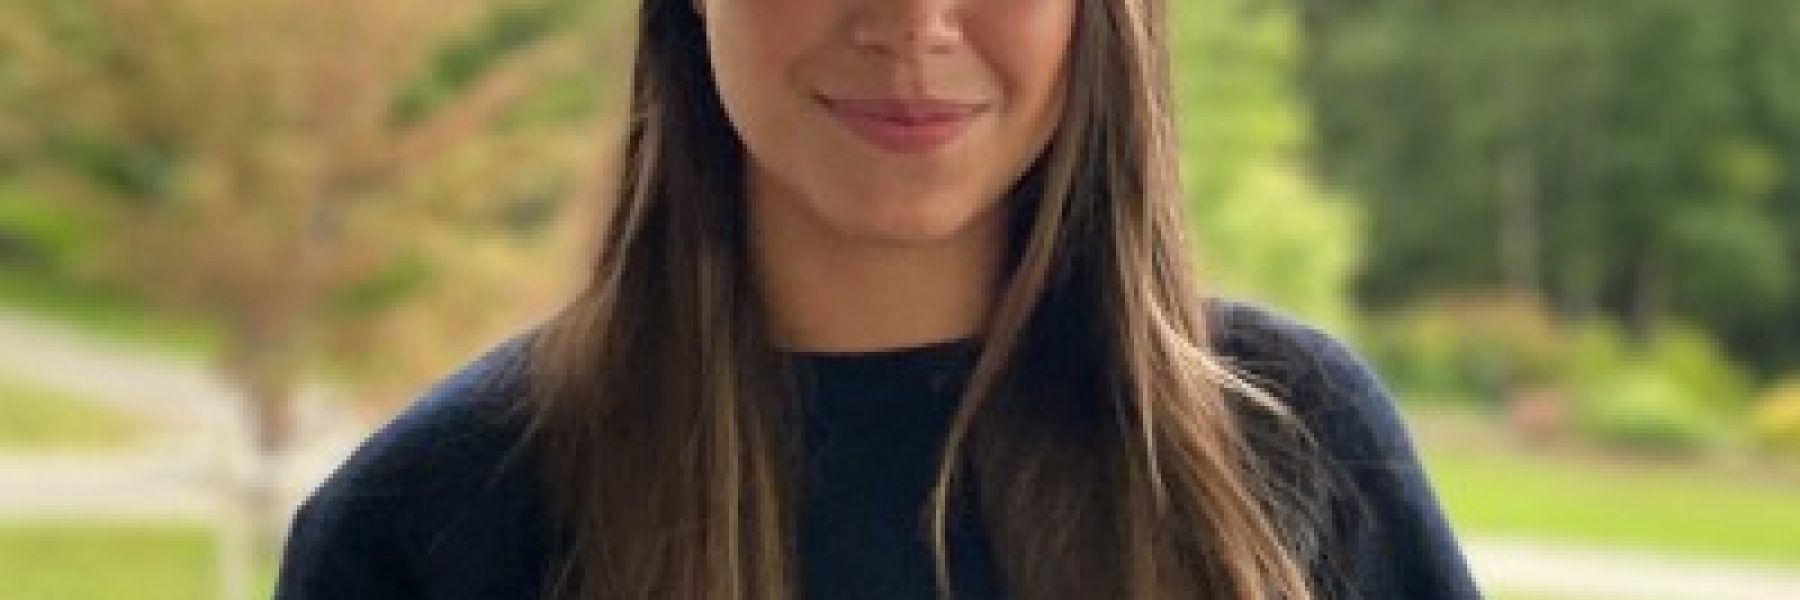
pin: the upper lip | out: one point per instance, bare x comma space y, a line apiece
905, 110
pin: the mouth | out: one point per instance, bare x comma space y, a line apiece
911, 126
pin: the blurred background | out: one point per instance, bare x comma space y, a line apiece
236, 235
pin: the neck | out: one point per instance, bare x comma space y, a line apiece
828, 293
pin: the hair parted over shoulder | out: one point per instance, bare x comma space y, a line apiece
659, 406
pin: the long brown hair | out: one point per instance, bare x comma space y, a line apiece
662, 414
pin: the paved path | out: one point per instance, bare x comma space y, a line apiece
1542, 568
199, 439
179, 391
182, 474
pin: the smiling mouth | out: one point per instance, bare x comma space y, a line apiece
911, 126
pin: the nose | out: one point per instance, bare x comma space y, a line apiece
907, 27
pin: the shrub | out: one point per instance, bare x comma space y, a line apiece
1776, 419
1646, 409
1677, 392
1479, 348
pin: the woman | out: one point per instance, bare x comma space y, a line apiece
894, 303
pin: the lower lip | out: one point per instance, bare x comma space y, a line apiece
906, 138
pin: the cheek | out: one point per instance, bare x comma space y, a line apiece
756, 47
1026, 43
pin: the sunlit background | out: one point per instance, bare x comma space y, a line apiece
235, 235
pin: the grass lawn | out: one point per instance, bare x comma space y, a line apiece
1679, 510
67, 561
34, 417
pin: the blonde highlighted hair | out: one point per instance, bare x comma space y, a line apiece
662, 413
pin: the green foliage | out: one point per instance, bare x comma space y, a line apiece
1676, 392
130, 171
1264, 228
49, 254
41, 237
1616, 157
1696, 364
1276, 238
383, 290
1732, 248
107, 312
1473, 349
465, 59
1776, 420
1642, 409
342, 158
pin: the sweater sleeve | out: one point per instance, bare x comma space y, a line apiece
1390, 538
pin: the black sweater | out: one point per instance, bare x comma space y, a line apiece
439, 505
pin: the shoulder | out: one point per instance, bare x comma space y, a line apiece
460, 423
1321, 378
1389, 538
1298, 361
455, 451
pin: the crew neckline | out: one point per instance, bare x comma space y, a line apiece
960, 347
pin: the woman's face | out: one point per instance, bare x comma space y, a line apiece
889, 121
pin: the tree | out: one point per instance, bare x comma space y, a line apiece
1264, 227
326, 181
1623, 159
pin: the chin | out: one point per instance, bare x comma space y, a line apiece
908, 221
